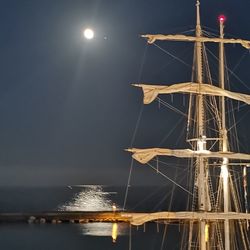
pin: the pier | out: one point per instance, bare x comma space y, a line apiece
65, 217
119, 216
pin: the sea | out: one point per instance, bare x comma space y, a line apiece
90, 236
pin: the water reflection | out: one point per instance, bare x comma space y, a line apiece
114, 231
105, 229
94, 198
90, 198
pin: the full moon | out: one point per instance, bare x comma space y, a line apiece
88, 33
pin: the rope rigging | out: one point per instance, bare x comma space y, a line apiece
135, 129
173, 56
206, 125
229, 70
165, 176
141, 111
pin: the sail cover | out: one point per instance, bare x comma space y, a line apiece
152, 91
137, 219
153, 38
145, 155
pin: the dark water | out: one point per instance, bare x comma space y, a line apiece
85, 236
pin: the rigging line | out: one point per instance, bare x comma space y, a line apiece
169, 207
179, 166
209, 34
236, 179
173, 56
239, 106
187, 31
211, 109
229, 111
230, 71
130, 238
172, 191
142, 105
176, 110
213, 145
181, 29
164, 236
173, 165
234, 125
163, 199
214, 30
128, 184
230, 105
170, 106
217, 34
181, 173
234, 136
165, 176
181, 135
240, 60
150, 196
170, 62
136, 129
171, 131
143, 62
137, 125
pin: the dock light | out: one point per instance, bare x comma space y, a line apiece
222, 18
114, 207
88, 34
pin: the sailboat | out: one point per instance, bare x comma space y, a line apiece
217, 215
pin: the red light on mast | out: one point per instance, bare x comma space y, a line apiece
222, 18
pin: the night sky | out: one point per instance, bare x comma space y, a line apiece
67, 108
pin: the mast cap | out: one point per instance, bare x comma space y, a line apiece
222, 18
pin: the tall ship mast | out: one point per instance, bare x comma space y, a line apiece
217, 215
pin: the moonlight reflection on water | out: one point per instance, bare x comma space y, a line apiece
105, 229
91, 198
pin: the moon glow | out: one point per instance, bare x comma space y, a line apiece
88, 34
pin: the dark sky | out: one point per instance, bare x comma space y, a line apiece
67, 109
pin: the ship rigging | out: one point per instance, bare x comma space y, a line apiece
216, 218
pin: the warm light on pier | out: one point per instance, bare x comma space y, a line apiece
114, 207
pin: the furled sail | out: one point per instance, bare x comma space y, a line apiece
153, 38
145, 155
152, 91
137, 219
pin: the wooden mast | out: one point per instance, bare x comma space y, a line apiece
204, 216
201, 143
223, 134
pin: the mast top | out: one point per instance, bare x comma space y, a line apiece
198, 22
222, 18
